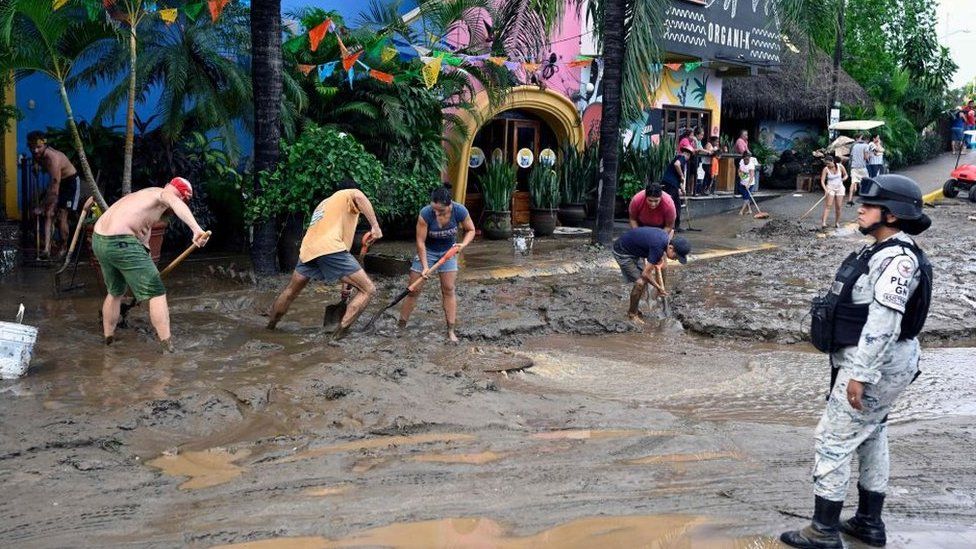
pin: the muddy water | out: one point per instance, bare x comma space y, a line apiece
755, 382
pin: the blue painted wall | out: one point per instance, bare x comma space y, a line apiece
48, 111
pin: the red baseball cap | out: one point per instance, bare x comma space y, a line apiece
182, 187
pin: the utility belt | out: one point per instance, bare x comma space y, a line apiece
836, 322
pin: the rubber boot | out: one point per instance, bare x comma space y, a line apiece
823, 532
866, 525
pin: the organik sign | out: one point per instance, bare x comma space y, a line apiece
738, 31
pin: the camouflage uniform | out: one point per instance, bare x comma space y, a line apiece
885, 365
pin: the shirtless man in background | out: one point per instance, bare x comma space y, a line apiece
121, 244
63, 194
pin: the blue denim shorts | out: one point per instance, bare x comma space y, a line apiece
329, 267
449, 266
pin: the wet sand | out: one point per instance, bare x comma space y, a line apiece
555, 424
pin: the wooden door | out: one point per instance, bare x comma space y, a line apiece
524, 134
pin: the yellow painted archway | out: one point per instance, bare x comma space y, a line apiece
552, 107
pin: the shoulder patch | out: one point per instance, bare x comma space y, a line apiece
893, 287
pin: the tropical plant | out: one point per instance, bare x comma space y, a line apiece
544, 188
628, 31
497, 185
638, 167
577, 172
35, 38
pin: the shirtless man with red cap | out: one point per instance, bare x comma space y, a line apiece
121, 244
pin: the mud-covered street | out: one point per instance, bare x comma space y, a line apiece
555, 423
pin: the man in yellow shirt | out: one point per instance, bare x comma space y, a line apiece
324, 254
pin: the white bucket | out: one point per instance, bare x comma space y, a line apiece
16, 346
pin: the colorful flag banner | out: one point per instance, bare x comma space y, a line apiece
318, 33
352, 74
350, 60
216, 7
422, 51
530, 67
579, 63
326, 69
431, 71
305, 68
58, 4
387, 54
384, 77
512, 65
169, 15
674, 66
692, 66
500, 61
192, 11
453, 60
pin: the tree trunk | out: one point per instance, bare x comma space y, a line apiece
613, 60
266, 79
80, 148
838, 57
130, 113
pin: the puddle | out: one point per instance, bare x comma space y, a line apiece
481, 533
325, 491
684, 458
205, 468
587, 434
375, 443
472, 459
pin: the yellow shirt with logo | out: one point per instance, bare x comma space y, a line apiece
332, 228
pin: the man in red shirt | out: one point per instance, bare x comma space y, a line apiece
742, 144
652, 208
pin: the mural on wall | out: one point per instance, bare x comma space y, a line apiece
787, 135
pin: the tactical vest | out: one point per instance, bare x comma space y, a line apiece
836, 322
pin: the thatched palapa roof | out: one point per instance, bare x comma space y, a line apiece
799, 91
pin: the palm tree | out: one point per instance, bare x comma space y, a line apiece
268, 82
628, 31
37, 39
200, 68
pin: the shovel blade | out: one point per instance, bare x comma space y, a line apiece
333, 316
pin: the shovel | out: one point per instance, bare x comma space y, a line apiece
169, 268
71, 248
416, 284
335, 312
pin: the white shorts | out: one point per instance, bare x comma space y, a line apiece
857, 174
835, 189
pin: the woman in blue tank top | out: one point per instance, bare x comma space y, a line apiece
437, 229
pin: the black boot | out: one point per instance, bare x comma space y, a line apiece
822, 532
866, 524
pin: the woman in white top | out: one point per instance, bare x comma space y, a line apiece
832, 180
876, 156
747, 178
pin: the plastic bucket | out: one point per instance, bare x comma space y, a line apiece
16, 347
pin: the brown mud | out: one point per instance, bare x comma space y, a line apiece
556, 423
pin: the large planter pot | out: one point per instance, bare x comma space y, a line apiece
497, 225
290, 241
572, 215
543, 222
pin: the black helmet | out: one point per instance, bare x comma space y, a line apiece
900, 196
898, 193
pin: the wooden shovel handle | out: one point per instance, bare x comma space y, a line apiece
450, 253
186, 253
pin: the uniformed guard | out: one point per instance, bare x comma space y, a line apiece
868, 322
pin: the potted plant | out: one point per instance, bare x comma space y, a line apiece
497, 185
544, 193
576, 173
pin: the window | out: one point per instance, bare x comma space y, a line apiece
677, 119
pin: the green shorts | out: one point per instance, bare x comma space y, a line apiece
126, 262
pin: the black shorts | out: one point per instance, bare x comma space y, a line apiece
69, 194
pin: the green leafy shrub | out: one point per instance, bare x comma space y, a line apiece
578, 172
638, 167
544, 188
497, 185
309, 171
